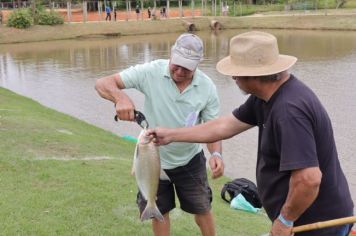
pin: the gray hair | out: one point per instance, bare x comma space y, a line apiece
271, 78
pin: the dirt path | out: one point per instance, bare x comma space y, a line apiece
77, 15
123, 15
173, 24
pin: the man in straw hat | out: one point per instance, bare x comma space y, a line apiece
177, 94
298, 173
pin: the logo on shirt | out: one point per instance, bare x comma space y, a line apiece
191, 119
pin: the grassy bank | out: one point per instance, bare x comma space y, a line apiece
61, 176
334, 20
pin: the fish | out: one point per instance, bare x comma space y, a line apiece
147, 169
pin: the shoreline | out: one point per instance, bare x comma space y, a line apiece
298, 21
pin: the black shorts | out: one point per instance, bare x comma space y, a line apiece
190, 183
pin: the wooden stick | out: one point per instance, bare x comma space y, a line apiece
324, 224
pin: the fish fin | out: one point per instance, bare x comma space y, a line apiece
151, 212
134, 160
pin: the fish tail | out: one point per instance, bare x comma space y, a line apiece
150, 213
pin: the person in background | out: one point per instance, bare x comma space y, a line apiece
149, 12
153, 14
115, 14
164, 12
137, 10
225, 9
299, 177
177, 94
108, 13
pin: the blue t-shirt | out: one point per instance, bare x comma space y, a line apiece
295, 132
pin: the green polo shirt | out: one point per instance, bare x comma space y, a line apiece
165, 106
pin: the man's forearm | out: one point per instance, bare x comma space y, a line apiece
211, 131
108, 88
303, 190
203, 133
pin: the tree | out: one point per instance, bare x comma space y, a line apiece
340, 3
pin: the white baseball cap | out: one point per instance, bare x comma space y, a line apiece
187, 52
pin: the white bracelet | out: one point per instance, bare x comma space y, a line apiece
218, 154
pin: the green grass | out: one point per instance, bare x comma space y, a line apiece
48, 188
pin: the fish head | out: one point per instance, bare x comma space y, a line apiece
143, 138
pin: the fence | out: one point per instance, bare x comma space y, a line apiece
122, 9
94, 10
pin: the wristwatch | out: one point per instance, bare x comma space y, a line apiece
284, 221
218, 154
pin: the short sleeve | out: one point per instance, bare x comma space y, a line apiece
246, 112
136, 76
212, 109
297, 144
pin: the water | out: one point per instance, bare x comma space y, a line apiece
62, 74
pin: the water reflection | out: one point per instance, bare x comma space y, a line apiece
62, 74
106, 54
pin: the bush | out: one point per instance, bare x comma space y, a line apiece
20, 19
50, 18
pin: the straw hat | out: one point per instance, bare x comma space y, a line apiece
254, 54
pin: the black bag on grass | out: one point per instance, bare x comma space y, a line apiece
244, 186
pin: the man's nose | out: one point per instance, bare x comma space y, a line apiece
181, 70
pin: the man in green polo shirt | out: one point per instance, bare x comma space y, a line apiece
177, 94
